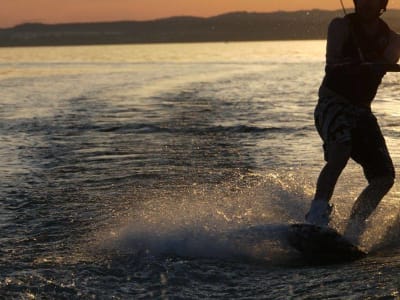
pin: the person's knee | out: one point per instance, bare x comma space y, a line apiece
383, 182
338, 155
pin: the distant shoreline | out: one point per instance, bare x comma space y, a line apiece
231, 27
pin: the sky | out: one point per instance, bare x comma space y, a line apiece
13, 12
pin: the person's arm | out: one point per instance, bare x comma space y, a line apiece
390, 57
392, 52
338, 34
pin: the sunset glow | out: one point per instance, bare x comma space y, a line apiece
49, 11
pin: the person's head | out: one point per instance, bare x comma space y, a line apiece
370, 9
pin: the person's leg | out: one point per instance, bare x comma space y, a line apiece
372, 153
371, 196
338, 155
334, 120
365, 205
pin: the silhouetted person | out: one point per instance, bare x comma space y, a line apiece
343, 116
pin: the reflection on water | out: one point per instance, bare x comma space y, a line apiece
280, 51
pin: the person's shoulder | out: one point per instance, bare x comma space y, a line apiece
340, 20
339, 23
339, 27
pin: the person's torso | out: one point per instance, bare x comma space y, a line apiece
359, 87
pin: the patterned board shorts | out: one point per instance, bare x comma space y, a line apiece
338, 121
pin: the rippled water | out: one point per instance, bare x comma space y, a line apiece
171, 171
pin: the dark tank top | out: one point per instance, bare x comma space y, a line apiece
359, 84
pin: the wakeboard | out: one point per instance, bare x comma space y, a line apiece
322, 245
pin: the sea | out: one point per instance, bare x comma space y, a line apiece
172, 171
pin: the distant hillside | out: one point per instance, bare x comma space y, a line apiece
238, 26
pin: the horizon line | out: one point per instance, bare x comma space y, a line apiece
169, 17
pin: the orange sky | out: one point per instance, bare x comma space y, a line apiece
14, 12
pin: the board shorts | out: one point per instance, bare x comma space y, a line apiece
339, 121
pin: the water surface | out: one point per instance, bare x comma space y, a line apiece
148, 171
